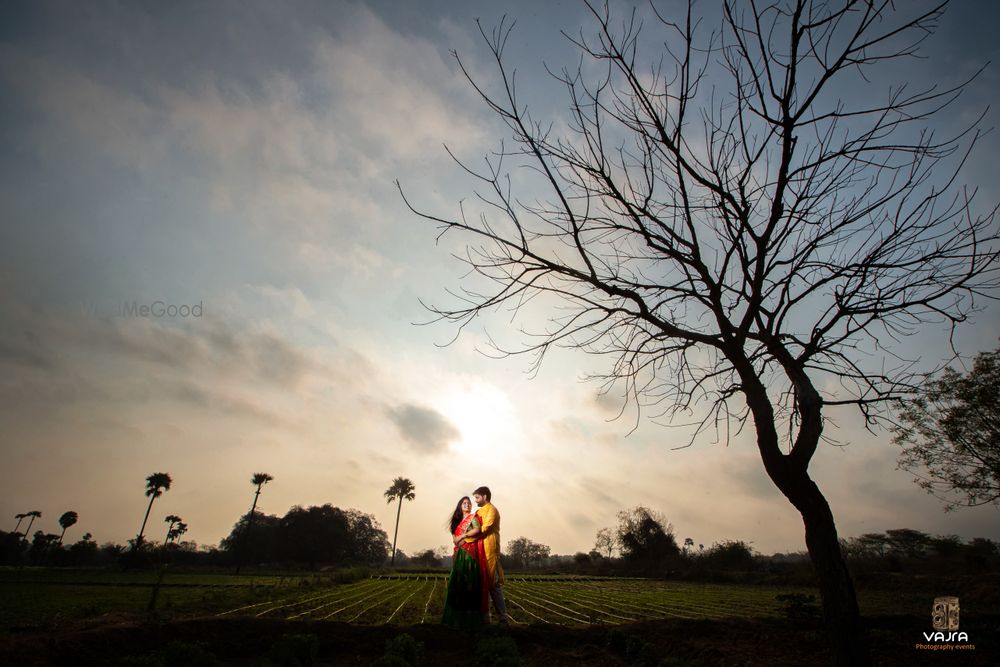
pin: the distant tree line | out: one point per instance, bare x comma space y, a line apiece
643, 543
310, 537
313, 536
47, 549
916, 552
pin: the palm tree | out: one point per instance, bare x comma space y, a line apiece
67, 520
171, 519
176, 529
34, 514
401, 488
20, 517
259, 479
156, 484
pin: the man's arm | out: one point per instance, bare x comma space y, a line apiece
489, 521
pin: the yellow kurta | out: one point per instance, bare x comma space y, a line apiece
489, 518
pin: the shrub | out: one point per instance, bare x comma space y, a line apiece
617, 641
406, 648
391, 660
799, 606
640, 652
142, 661
496, 651
293, 651
185, 654
730, 555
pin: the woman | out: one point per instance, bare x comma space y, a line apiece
466, 602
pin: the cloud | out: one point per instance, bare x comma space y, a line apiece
64, 341
427, 430
398, 90
22, 348
608, 405
290, 154
291, 298
212, 400
598, 490
117, 124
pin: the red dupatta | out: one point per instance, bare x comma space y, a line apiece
475, 549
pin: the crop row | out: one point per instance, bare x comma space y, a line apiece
412, 600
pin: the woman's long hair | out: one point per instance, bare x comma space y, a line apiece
458, 515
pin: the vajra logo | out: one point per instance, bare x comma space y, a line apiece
944, 618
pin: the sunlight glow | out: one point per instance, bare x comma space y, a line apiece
486, 418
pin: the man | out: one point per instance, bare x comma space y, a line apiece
489, 519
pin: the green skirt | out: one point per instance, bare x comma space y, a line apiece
463, 606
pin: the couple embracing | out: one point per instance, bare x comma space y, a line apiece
476, 574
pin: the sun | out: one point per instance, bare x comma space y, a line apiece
485, 417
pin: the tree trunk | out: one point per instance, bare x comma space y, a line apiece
18, 526
138, 539
28, 529
62, 534
396, 532
791, 475
840, 603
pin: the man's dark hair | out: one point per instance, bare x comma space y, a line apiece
483, 491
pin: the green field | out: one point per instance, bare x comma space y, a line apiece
40, 599
33, 599
406, 600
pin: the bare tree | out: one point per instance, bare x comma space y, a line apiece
741, 244
606, 542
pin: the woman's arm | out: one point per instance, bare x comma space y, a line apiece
471, 531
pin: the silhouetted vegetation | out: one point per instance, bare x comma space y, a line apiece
950, 435
66, 520
522, 553
293, 650
646, 540
156, 485
259, 479
401, 488
313, 537
175, 528
402, 651
320, 535
904, 550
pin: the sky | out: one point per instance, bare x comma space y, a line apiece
235, 162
